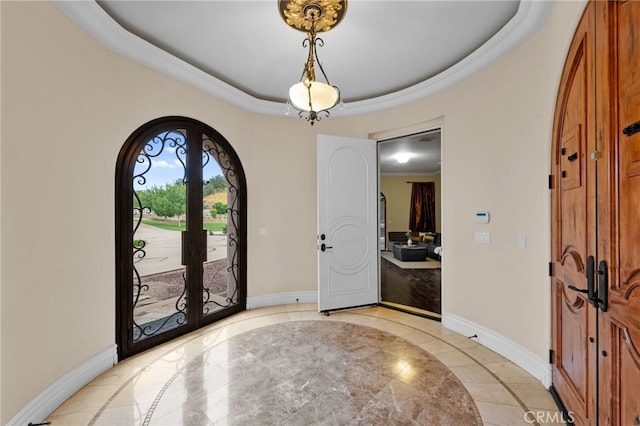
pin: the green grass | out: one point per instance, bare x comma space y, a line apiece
173, 226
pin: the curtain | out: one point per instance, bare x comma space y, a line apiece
422, 211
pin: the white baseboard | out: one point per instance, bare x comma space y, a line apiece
285, 298
532, 364
51, 398
44, 404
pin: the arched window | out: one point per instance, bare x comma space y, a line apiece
181, 244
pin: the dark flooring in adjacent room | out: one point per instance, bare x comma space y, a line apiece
416, 288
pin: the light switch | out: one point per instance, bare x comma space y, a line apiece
522, 241
483, 237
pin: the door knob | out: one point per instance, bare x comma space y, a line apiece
324, 247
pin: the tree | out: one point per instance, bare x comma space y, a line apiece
166, 202
215, 184
219, 208
145, 201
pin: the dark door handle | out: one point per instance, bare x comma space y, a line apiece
591, 286
577, 290
632, 129
590, 291
601, 298
603, 285
324, 247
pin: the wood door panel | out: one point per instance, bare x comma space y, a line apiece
570, 373
626, 370
628, 89
571, 161
572, 143
620, 233
572, 353
572, 331
630, 146
573, 100
622, 366
628, 77
602, 387
573, 206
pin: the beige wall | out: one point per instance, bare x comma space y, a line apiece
398, 195
68, 104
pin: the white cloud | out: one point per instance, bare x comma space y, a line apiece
161, 164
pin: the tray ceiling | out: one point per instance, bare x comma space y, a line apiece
384, 53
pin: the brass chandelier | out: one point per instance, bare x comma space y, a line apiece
310, 97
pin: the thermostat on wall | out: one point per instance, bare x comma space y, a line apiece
482, 217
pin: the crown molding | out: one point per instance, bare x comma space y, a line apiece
530, 17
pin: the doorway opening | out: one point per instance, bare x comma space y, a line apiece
410, 223
180, 232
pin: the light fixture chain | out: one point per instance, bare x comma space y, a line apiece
320, 42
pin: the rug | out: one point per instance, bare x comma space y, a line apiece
427, 264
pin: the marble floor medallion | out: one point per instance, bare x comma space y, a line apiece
299, 373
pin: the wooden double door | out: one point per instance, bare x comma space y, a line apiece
595, 186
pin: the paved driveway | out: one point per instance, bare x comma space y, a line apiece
163, 249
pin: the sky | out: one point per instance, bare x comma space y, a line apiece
167, 168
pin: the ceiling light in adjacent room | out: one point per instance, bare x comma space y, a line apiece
403, 157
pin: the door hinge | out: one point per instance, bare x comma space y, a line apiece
551, 356
550, 269
550, 181
595, 156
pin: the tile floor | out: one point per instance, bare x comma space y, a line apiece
179, 383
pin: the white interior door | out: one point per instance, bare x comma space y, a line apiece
347, 222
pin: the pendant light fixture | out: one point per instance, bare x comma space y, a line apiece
310, 97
